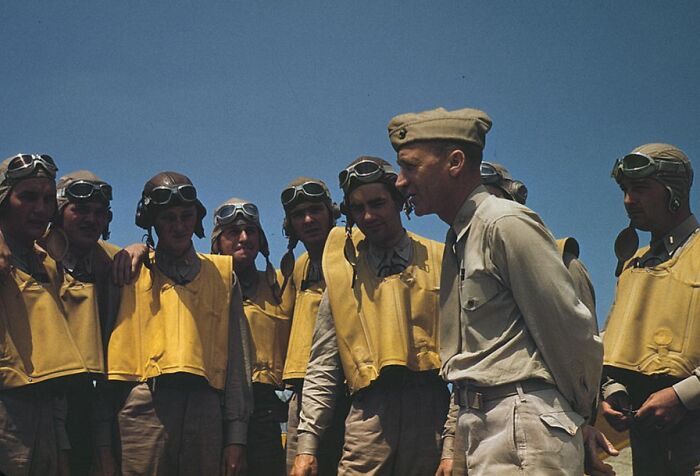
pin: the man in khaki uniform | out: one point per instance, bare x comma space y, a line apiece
309, 217
179, 355
499, 182
238, 233
39, 353
377, 328
652, 336
509, 312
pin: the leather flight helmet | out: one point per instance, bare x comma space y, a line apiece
165, 190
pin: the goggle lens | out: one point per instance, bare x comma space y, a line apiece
489, 174
25, 164
83, 190
364, 171
228, 213
164, 195
310, 189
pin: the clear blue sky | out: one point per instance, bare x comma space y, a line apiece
244, 96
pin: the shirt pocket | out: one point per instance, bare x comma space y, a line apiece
477, 291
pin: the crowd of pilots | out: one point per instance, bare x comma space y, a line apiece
159, 360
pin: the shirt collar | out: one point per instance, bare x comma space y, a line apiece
677, 236
181, 269
467, 210
377, 256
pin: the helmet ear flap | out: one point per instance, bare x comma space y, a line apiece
335, 211
143, 220
105, 232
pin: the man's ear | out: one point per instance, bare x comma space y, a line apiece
456, 163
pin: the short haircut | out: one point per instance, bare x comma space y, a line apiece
442, 148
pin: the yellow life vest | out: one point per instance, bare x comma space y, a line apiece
568, 245
80, 301
163, 327
269, 326
653, 327
391, 320
303, 321
35, 342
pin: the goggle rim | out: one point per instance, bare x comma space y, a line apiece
492, 176
104, 189
380, 170
173, 191
248, 209
297, 189
26, 168
652, 166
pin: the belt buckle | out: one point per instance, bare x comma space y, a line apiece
476, 400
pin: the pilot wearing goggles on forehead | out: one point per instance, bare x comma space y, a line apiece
652, 336
179, 354
238, 233
310, 214
376, 335
40, 356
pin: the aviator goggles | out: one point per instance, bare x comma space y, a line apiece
164, 195
229, 213
489, 174
24, 165
641, 166
365, 171
85, 189
309, 189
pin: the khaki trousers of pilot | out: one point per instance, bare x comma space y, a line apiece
395, 430
331, 445
529, 434
27, 434
171, 431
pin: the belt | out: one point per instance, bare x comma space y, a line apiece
474, 397
178, 380
402, 377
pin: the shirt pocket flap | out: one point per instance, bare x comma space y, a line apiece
567, 421
477, 291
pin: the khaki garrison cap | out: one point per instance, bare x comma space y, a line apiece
466, 125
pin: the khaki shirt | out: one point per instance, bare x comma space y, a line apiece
520, 317
688, 389
324, 379
238, 393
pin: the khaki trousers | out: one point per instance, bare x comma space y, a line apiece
395, 429
171, 431
528, 433
28, 443
331, 445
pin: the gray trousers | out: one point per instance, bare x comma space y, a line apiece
28, 444
529, 433
172, 431
395, 430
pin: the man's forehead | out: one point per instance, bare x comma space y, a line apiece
34, 184
241, 224
368, 192
91, 203
303, 206
644, 181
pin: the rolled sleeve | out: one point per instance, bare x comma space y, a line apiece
688, 390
